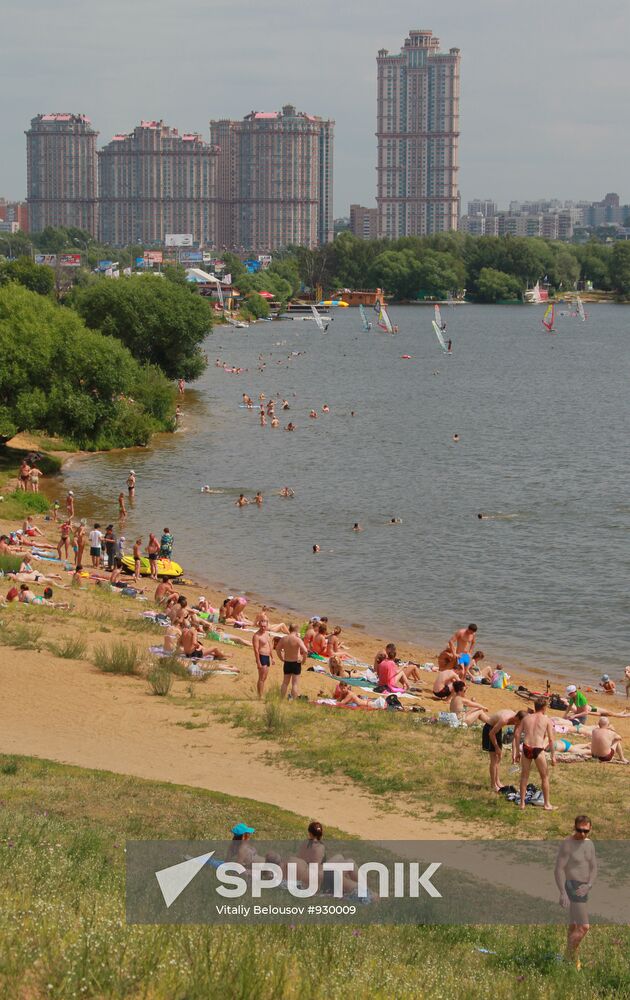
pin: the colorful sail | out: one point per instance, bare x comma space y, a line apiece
318, 320
384, 321
367, 326
548, 318
438, 318
580, 309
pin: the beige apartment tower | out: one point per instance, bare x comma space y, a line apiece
154, 181
61, 172
418, 138
275, 180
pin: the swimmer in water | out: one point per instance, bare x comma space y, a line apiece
258, 499
396, 520
286, 491
205, 489
316, 548
275, 422
242, 501
483, 517
456, 438
285, 404
313, 414
325, 408
356, 526
290, 427
351, 413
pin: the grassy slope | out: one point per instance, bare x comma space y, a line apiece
62, 833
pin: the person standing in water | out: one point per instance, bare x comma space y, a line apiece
131, 484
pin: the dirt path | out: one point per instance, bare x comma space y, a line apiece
68, 712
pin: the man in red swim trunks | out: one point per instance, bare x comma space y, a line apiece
606, 744
537, 732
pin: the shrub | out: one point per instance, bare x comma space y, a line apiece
69, 649
274, 719
10, 564
119, 658
9, 765
161, 680
29, 503
24, 637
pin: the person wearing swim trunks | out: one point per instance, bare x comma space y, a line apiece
606, 744
292, 652
492, 740
153, 552
443, 685
538, 734
575, 873
263, 653
463, 641
24, 474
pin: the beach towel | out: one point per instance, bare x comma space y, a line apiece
449, 719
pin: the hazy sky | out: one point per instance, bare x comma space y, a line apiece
544, 109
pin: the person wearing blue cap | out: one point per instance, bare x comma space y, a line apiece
242, 831
239, 850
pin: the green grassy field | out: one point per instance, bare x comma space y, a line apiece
63, 931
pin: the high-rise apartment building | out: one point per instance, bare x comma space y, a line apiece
154, 181
363, 222
61, 172
275, 180
418, 138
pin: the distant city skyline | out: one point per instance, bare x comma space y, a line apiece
543, 91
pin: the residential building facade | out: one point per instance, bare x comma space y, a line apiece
154, 181
417, 138
61, 172
274, 180
364, 222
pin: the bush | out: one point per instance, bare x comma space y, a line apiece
119, 658
274, 718
69, 649
9, 765
29, 503
10, 564
23, 637
161, 680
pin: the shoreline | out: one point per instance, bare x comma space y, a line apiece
419, 649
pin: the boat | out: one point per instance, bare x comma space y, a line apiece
367, 326
361, 296
302, 310
166, 568
438, 327
536, 295
548, 318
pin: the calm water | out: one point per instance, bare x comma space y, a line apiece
544, 446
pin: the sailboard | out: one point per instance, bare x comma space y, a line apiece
580, 309
384, 321
548, 318
318, 320
367, 326
438, 334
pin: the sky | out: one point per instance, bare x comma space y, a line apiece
544, 84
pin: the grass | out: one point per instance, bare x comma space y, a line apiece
69, 648
10, 564
62, 920
160, 680
22, 636
119, 658
407, 763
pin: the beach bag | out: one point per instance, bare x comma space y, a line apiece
449, 719
393, 702
558, 703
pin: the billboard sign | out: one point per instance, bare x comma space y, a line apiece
105, 265
153, 256
178, 240
46, 258
191, 257
70, 260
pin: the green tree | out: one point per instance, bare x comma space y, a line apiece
620, 268
59, 377
565, 269
36, 277
493, 285
398, 272
256, 306
440, 273
160, 322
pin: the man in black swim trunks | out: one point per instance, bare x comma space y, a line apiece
491, 740
263, 651
292, 652
575, 873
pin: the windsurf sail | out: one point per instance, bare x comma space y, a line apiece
438, 334
367, 326
384, 321
220, 295
548, 318
438, 318
318, 320
580, 309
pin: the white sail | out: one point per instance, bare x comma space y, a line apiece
438, 334
318, 320
438, 317
384, 321
580, 309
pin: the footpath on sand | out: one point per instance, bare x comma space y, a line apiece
72, 714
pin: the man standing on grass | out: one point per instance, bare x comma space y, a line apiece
575, 873
292, 652
538, 734
492, 737
263, 651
